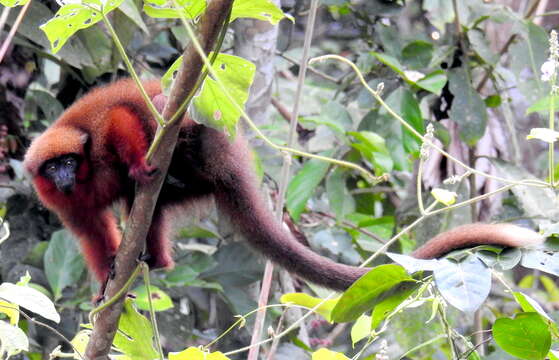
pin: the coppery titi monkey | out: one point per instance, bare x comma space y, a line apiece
95, 152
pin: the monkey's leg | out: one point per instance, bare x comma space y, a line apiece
158, 245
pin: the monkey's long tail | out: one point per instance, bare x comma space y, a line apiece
239, 198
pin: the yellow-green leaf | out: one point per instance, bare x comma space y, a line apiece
257, 9
193, 353
444, 196
324, 309
325, 354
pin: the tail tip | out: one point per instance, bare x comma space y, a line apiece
521, 236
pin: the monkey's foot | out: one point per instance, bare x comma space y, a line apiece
157, 262
142, 172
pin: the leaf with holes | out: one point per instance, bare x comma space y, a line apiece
73, 17
159, 299
13, 3
212, 106
173, 9
264, 10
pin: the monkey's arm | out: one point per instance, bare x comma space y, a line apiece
127, 135
98, 235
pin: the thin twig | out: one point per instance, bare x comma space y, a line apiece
354, 227
313, 70
13, 31
284, 179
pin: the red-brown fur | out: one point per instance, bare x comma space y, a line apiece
111, 127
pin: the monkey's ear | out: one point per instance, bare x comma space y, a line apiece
84, 138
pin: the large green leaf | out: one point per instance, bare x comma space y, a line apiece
320, 306
389, 301
364, 293
339, 198
63, 262
412, 115
159, 299
526, 336
211, 106
264, 10
417, 54
134, 337
468, 108
73, 17
303, 185
171, 10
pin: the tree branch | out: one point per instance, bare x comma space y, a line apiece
146, 195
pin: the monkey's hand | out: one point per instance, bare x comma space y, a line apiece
142, 172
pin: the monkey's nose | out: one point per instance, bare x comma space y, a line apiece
65, 188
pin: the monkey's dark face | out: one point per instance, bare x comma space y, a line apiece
62, 171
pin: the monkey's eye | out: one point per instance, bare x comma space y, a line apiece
51, 168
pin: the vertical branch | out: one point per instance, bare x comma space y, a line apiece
266, 283
144, 203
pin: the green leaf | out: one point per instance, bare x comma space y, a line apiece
193, 353
550, 287
303, 185
130, 9
390, 61
30, 299
534, 201
211, 106
159, 299
339, 198
543, 105
134, 337
526, 336
63, 262
258, 9
466, 284
390, 300
433, 82
480, 44
372, 146
363, 294
73, 17
444, 196
324, 309
439, 13
468, 109
529, 305
412, 115
13, 3
325, 354
168, 10
361, 329
417, 54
